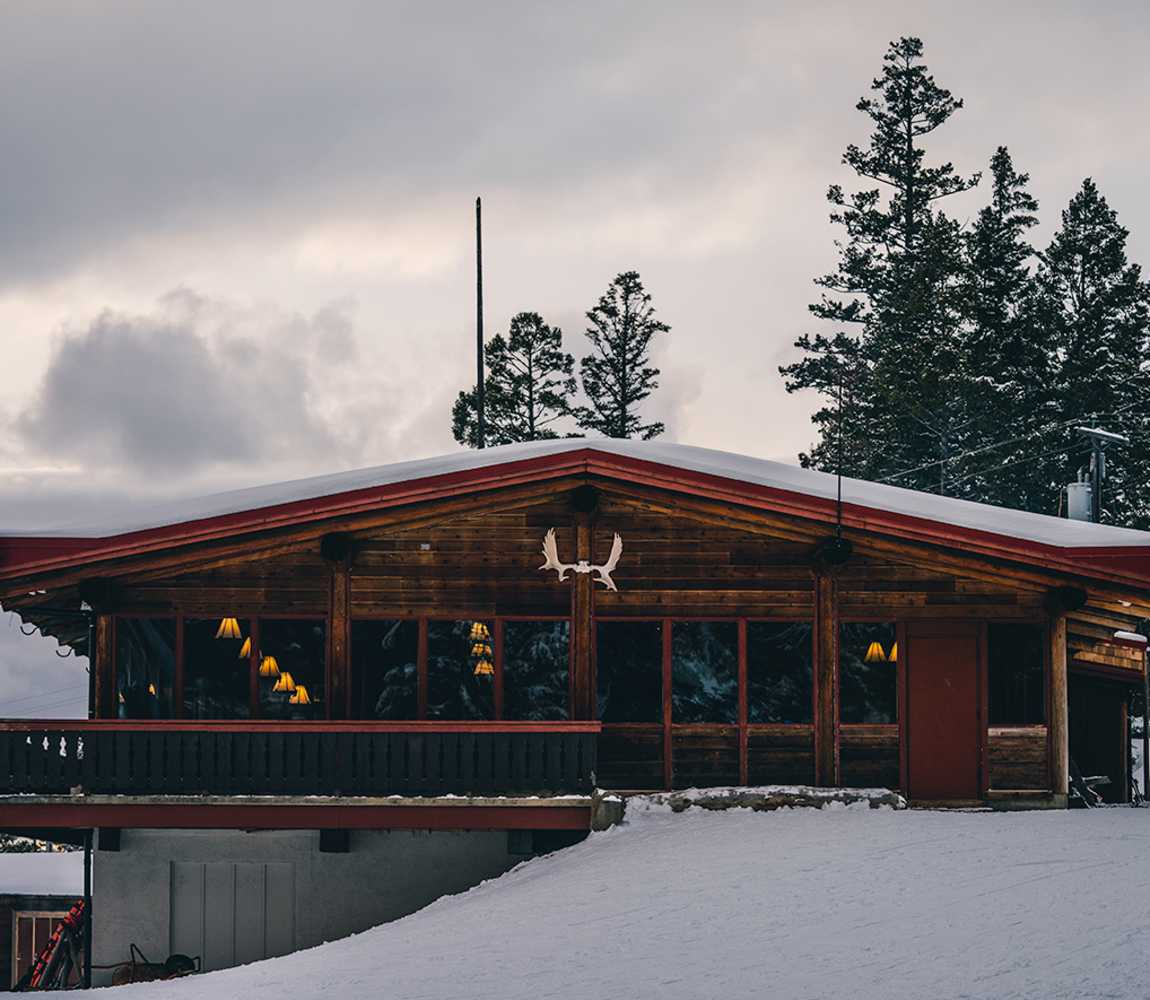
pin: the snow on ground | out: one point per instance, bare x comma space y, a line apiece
797, 904
45, 873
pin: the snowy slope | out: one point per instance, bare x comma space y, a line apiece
844, 903
46, 873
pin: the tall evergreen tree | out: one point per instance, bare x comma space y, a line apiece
1096, 306
1007, 356
529, 384
897, 287
617, 376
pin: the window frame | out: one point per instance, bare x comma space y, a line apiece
668, 726
497, 622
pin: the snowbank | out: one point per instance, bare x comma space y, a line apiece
842, 901
44, 873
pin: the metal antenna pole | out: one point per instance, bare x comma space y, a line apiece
479, 387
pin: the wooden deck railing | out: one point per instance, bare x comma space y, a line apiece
297, 758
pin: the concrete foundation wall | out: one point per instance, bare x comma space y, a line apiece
385, 875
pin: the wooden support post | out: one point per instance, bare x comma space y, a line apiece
339, 641
104, 664
1059, 711
826, 654
582, 644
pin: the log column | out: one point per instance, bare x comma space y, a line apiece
103, 662
1059, 710
826, 652
339, 641
582, 643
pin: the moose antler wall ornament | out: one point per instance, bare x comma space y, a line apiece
603, 573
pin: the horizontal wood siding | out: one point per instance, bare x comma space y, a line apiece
1091, 649
869, 756
1018, 758
630, 757
394, 760
780, 755
704, 756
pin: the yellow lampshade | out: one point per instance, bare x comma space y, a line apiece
152, 690
300, 697
246, 648
479, 632
285, 684
875, 653
484, 668
893, 658
229, 629
269, 667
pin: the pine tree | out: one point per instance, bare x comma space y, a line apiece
898, 287
618, 376
528, 386
1007, 355
1096, 306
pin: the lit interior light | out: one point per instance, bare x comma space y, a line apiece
229, 629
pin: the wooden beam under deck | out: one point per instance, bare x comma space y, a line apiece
312, 813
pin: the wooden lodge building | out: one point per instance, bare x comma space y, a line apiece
378, 656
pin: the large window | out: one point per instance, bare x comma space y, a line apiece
145, 667
385, 669
217, 668
705, 672
536, 670
1016, 674
291, 662
460, 670
779, 672
629, 671
868, 673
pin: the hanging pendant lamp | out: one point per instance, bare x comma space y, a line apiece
229, 629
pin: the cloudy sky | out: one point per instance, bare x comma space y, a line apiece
236, 239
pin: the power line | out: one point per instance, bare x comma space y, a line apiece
1082, 448
38, 694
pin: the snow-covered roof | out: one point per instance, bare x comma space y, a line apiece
1022, 525
42, 873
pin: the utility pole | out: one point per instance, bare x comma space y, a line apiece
479, 388
1098, 439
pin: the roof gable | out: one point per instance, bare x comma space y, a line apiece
1070, 545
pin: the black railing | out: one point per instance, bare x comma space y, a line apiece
347, 759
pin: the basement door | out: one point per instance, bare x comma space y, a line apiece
229, 913
943, 711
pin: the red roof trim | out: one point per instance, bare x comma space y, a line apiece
38, 555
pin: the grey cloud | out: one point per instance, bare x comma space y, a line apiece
196, 385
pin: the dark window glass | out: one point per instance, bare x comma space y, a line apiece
704, 672
629, 668
536, 668
216, 675
145, 667
868, 673
779, 672
385, 668
460, 670
1016, 674
293, 686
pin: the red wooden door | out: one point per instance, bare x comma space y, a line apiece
943, 711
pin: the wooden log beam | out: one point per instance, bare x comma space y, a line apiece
582, 610
339, 641
104, 664
826, 630
1059, 709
